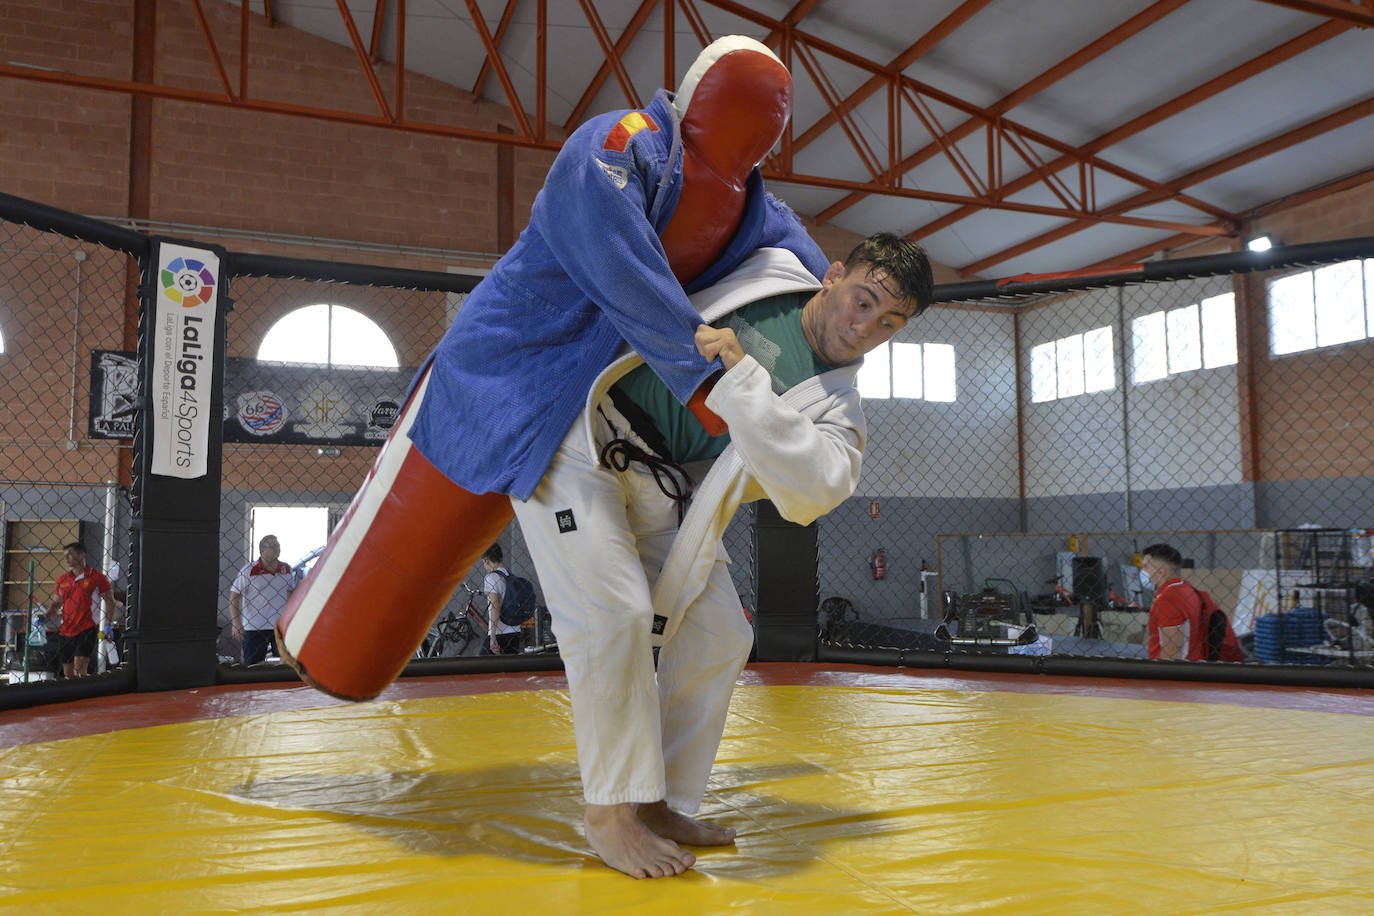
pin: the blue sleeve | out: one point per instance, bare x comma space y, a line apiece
782, 229
592, 214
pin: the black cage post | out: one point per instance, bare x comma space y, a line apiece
787, 557
176, 520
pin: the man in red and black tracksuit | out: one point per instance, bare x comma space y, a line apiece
76, 599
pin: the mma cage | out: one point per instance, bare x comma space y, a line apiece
1027, 439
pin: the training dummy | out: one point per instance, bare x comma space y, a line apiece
637, 206
621, 575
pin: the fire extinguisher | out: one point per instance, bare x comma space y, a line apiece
878, 562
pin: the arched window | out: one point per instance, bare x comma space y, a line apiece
330, 335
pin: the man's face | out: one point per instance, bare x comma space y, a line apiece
854, 312
75, 559
1158, 573
270, 549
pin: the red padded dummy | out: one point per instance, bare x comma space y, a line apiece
409, 537
411, 534
732, 106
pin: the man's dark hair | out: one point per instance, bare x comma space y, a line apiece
493, 553
903, 265
75, 545
1165, 554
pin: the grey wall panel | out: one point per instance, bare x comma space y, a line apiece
1077, 512
1336, 502
906, 530
1227, 506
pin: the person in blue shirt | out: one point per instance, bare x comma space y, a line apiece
639, 209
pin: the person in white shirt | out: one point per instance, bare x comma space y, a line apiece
502, 638
256, 600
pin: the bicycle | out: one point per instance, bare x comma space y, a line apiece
454, 628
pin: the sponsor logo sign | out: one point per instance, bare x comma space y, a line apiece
274, 402
380, 419
261, 413
183, 344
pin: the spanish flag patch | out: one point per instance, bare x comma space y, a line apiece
631, 124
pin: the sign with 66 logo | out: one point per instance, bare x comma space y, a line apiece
183, 343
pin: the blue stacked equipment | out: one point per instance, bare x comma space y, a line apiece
1277, 634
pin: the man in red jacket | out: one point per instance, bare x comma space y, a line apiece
1181, 615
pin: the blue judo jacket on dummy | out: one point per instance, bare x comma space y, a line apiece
587, 275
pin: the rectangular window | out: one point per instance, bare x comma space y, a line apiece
1042, 373
909, 370
1219, 331
1292, 314
1068, 366
875, 375
1321, 307
1099, 362
1340, 303
1184, 334
1183, 339
1149, 353
939, 372
906, 370
299, 529
1369, 293
1073, 365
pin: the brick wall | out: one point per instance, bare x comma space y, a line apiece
1313, 407
269, 173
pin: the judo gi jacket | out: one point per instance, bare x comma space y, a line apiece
586, 276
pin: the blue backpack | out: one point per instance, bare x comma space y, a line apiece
518, 605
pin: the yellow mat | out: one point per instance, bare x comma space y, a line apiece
847, 800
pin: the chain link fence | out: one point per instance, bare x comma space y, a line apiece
60, 299
1018, 468
316, 371
1026, 444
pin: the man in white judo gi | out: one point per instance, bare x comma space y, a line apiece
623, 570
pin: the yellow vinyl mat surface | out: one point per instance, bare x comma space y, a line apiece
847, 800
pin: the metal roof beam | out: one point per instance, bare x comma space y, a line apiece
374, 47
480, 83
1307, 196
361, 52
214, 51
494, 56
1332, 9
632, 29
988, 203
1088, 53
611, 53
1234, 76
334, 115
964, 12
1316, 128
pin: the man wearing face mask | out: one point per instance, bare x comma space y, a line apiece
1185, 623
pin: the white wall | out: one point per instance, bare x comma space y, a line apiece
962, 449
1181, 431
1184, 429
1072, 445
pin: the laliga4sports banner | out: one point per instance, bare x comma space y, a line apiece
185, 297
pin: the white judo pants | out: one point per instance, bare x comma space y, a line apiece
599, 538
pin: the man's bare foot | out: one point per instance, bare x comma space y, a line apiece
678, 827
626, 843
